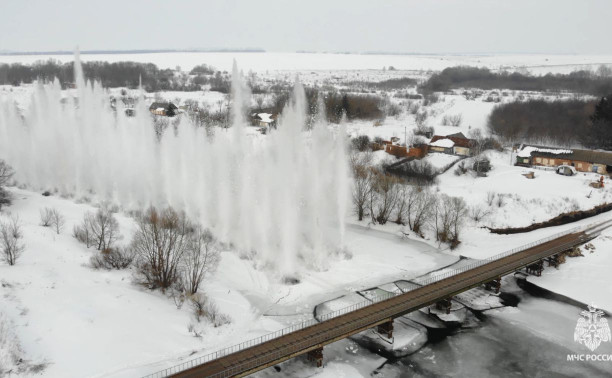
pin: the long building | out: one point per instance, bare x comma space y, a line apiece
582, 160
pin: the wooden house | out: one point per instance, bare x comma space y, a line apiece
454, 144
167, 109
581, 160
264, 120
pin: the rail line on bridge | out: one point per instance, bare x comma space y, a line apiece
309, 337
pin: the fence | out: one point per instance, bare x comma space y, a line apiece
422, 281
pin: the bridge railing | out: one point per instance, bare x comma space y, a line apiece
421, 281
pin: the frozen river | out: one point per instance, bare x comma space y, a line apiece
532, 339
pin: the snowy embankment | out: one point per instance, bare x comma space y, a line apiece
84, 322
584, 278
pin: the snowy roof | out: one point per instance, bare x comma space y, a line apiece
445, 143
527, 150
164, 105
458, 138
265, 117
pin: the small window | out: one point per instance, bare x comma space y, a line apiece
538, 160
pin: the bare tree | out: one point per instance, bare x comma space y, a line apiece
452, 120
362, 188
57, 221
403, 200
383, 196
420, 209
45, 217
6, 173
159, 244
490, 198
99, 229
420, 119
112, 258
10, 240
50, 217
449, 218
478, 213
200, 258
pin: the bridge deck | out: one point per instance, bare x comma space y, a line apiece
272, 352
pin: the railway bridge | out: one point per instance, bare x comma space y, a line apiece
310, 337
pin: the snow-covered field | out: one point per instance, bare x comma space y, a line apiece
79, 322
280, 61
65, 319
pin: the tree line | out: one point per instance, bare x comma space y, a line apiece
562, 123
383, 197
335, 104
117, 74
595, 83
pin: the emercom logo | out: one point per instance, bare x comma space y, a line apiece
592, 328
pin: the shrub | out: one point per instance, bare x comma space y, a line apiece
203, 69
449, 214
461, 169
417, 171
50, 217
6, 173
99, 229
5, 198
170, 250
490, 198
361, 143
201, 257
481, 165
112, 258
204, 308
10, 350
11, 246
45, 217
452, 120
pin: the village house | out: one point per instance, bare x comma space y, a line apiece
167, 109
264, 120
454, 144
581, 160
417, 151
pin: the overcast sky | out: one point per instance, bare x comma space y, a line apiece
413, 26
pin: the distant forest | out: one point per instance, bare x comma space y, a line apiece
562, 123
119, 74
587, 82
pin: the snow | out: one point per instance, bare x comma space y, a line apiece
440, 160
527, 150
587, 278
63, 311
524, 201
287, 61
446, 143
265, 117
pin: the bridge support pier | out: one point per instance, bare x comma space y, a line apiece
536, 268
494, 285
316, 355
554, 260
386, 329
444, 304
